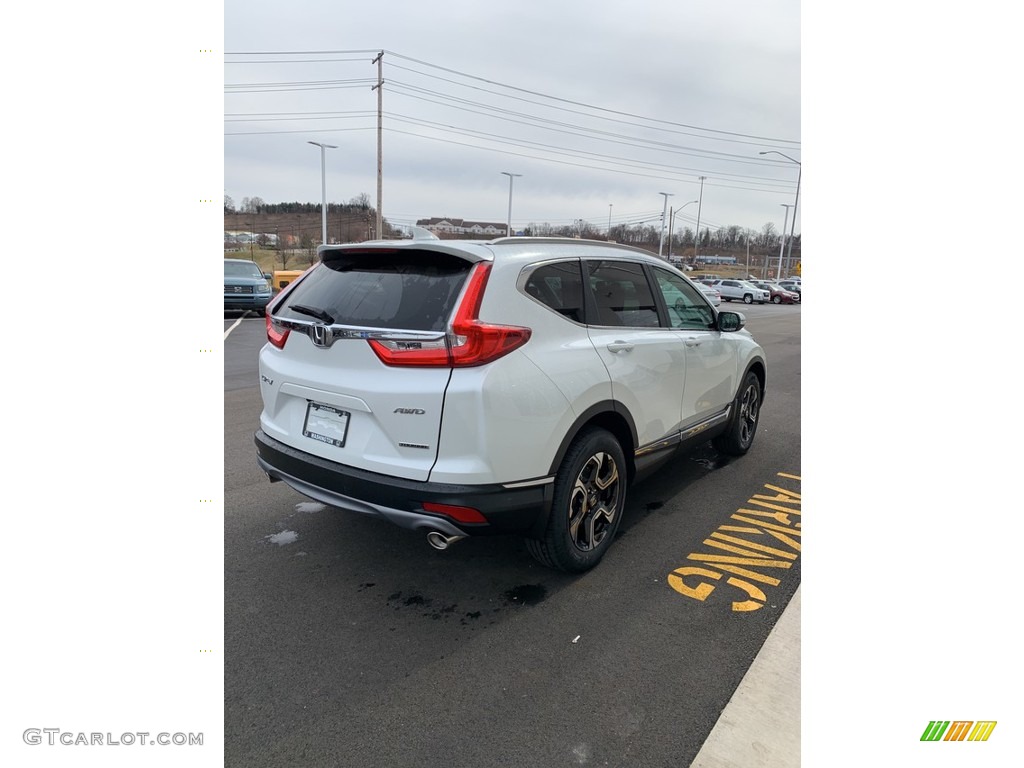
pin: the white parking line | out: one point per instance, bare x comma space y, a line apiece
236, 324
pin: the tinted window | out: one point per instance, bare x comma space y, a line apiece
558, 286
412, 290
622, 294
686, 309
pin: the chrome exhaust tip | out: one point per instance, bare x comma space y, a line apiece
440, 542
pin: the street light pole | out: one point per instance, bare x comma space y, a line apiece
323, 185
782, 245
672, 225
508, 225
796, 201
664, 211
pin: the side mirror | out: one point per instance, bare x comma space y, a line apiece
267, 276
731, 321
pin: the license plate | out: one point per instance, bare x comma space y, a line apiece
326, 424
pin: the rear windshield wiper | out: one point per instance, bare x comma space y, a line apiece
319, 314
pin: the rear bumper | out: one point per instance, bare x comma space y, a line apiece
522, 509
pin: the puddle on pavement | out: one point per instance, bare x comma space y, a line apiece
526, 594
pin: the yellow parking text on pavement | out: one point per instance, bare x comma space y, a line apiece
760, 550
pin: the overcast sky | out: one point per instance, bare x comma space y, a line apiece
112, 175
600, 107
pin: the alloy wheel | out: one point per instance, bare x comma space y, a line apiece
594, 501
750, 405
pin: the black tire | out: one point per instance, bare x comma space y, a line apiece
589, 500
746, 413
776, 299
748, 299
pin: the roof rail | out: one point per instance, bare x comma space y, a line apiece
574, 240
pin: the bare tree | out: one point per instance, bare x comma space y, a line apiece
252, 204
309, 246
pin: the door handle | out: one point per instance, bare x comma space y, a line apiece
620, 346
690, 341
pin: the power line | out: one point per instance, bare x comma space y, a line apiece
583, 104
564, 150
745, 159
301, 53
512, 88
290, 61
571, 111
565, 162
300, 82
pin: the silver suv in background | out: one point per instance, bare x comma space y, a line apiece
740, 290
514, 386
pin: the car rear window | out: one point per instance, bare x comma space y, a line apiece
411, 290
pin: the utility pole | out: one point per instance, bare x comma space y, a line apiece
671, 225
664, 212
796, 201
700, 204
782, 245
792, 227
508, 225
379, 87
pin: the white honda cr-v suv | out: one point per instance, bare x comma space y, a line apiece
512, 386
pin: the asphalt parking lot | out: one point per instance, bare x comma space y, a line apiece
352, 642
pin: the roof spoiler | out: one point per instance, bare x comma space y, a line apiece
419, 233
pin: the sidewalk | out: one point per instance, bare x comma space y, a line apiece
760, 726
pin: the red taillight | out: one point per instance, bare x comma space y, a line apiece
460, 514
275, 334
470, 341
421, 353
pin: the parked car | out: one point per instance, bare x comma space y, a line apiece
779, 295
792, 284
517, 386
712, 293
246, 286
740, 290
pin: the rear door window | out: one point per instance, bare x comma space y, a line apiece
622, 295
409, 290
